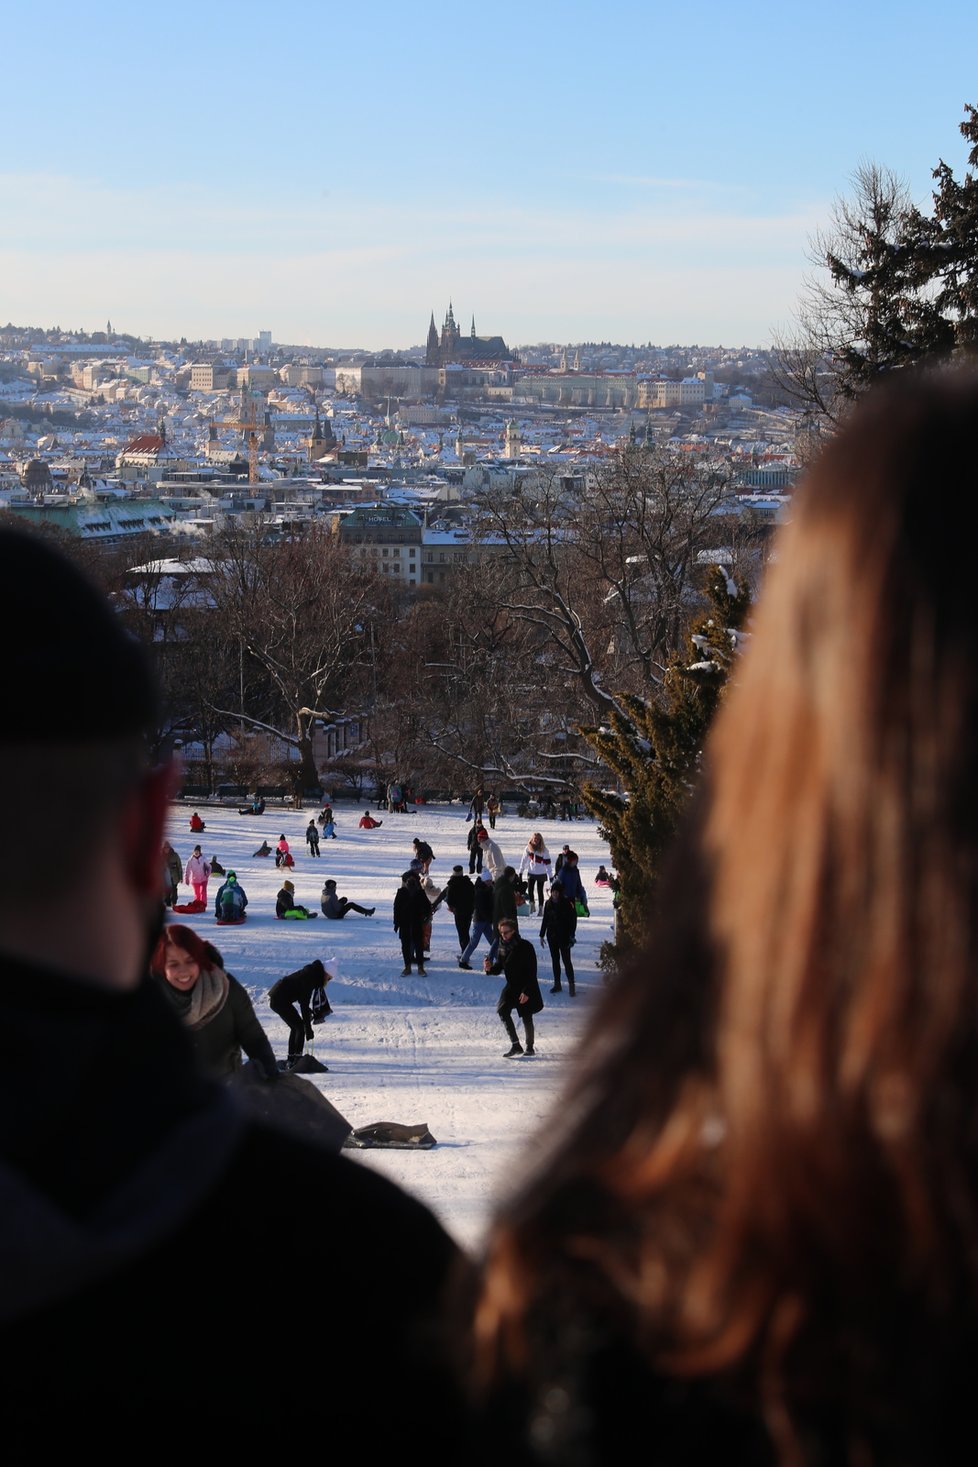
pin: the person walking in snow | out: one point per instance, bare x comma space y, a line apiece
569, 877
412, 915
491, 854
557, 929
506, 895
312, 838
474, 843
535, 865
517, 960
481, 918
459, 896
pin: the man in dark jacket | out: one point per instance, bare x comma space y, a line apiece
504, 897
516, 958
140, 1201
481, 918
459, 896
475, 846
412, 913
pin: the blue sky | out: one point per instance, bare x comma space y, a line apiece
565, 171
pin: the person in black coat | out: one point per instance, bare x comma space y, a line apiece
516, 958
142, 1204
558, 927
211, 1004
475, 846
412, 913
297, 989
459, 895
481, 919
506, 894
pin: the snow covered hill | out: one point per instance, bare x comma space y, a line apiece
425, 1048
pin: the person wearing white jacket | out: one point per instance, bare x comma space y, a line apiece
491, 854
535, 865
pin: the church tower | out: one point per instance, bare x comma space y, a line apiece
431, 354
322, 440
450, 336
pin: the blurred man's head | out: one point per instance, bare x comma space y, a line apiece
82, 699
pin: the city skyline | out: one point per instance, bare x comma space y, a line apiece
565, 172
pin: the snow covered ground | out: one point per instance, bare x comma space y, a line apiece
408, 1049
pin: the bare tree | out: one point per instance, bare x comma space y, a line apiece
302, 613
606, 576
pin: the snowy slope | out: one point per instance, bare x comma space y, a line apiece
408, 1049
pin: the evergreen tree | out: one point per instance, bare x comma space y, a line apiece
949, 249
901, 285
653, 747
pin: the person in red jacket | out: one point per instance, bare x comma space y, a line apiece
367, 821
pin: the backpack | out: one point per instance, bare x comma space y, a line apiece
232, 904
319, 1004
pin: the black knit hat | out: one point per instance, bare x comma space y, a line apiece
75, 673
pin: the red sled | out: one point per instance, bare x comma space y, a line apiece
231, 921
188, 908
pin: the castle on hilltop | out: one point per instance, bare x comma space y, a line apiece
452, 346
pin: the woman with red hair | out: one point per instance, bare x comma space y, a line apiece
755, 1238
211, 1004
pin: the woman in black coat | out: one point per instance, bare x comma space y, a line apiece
211, 1004
297, 988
